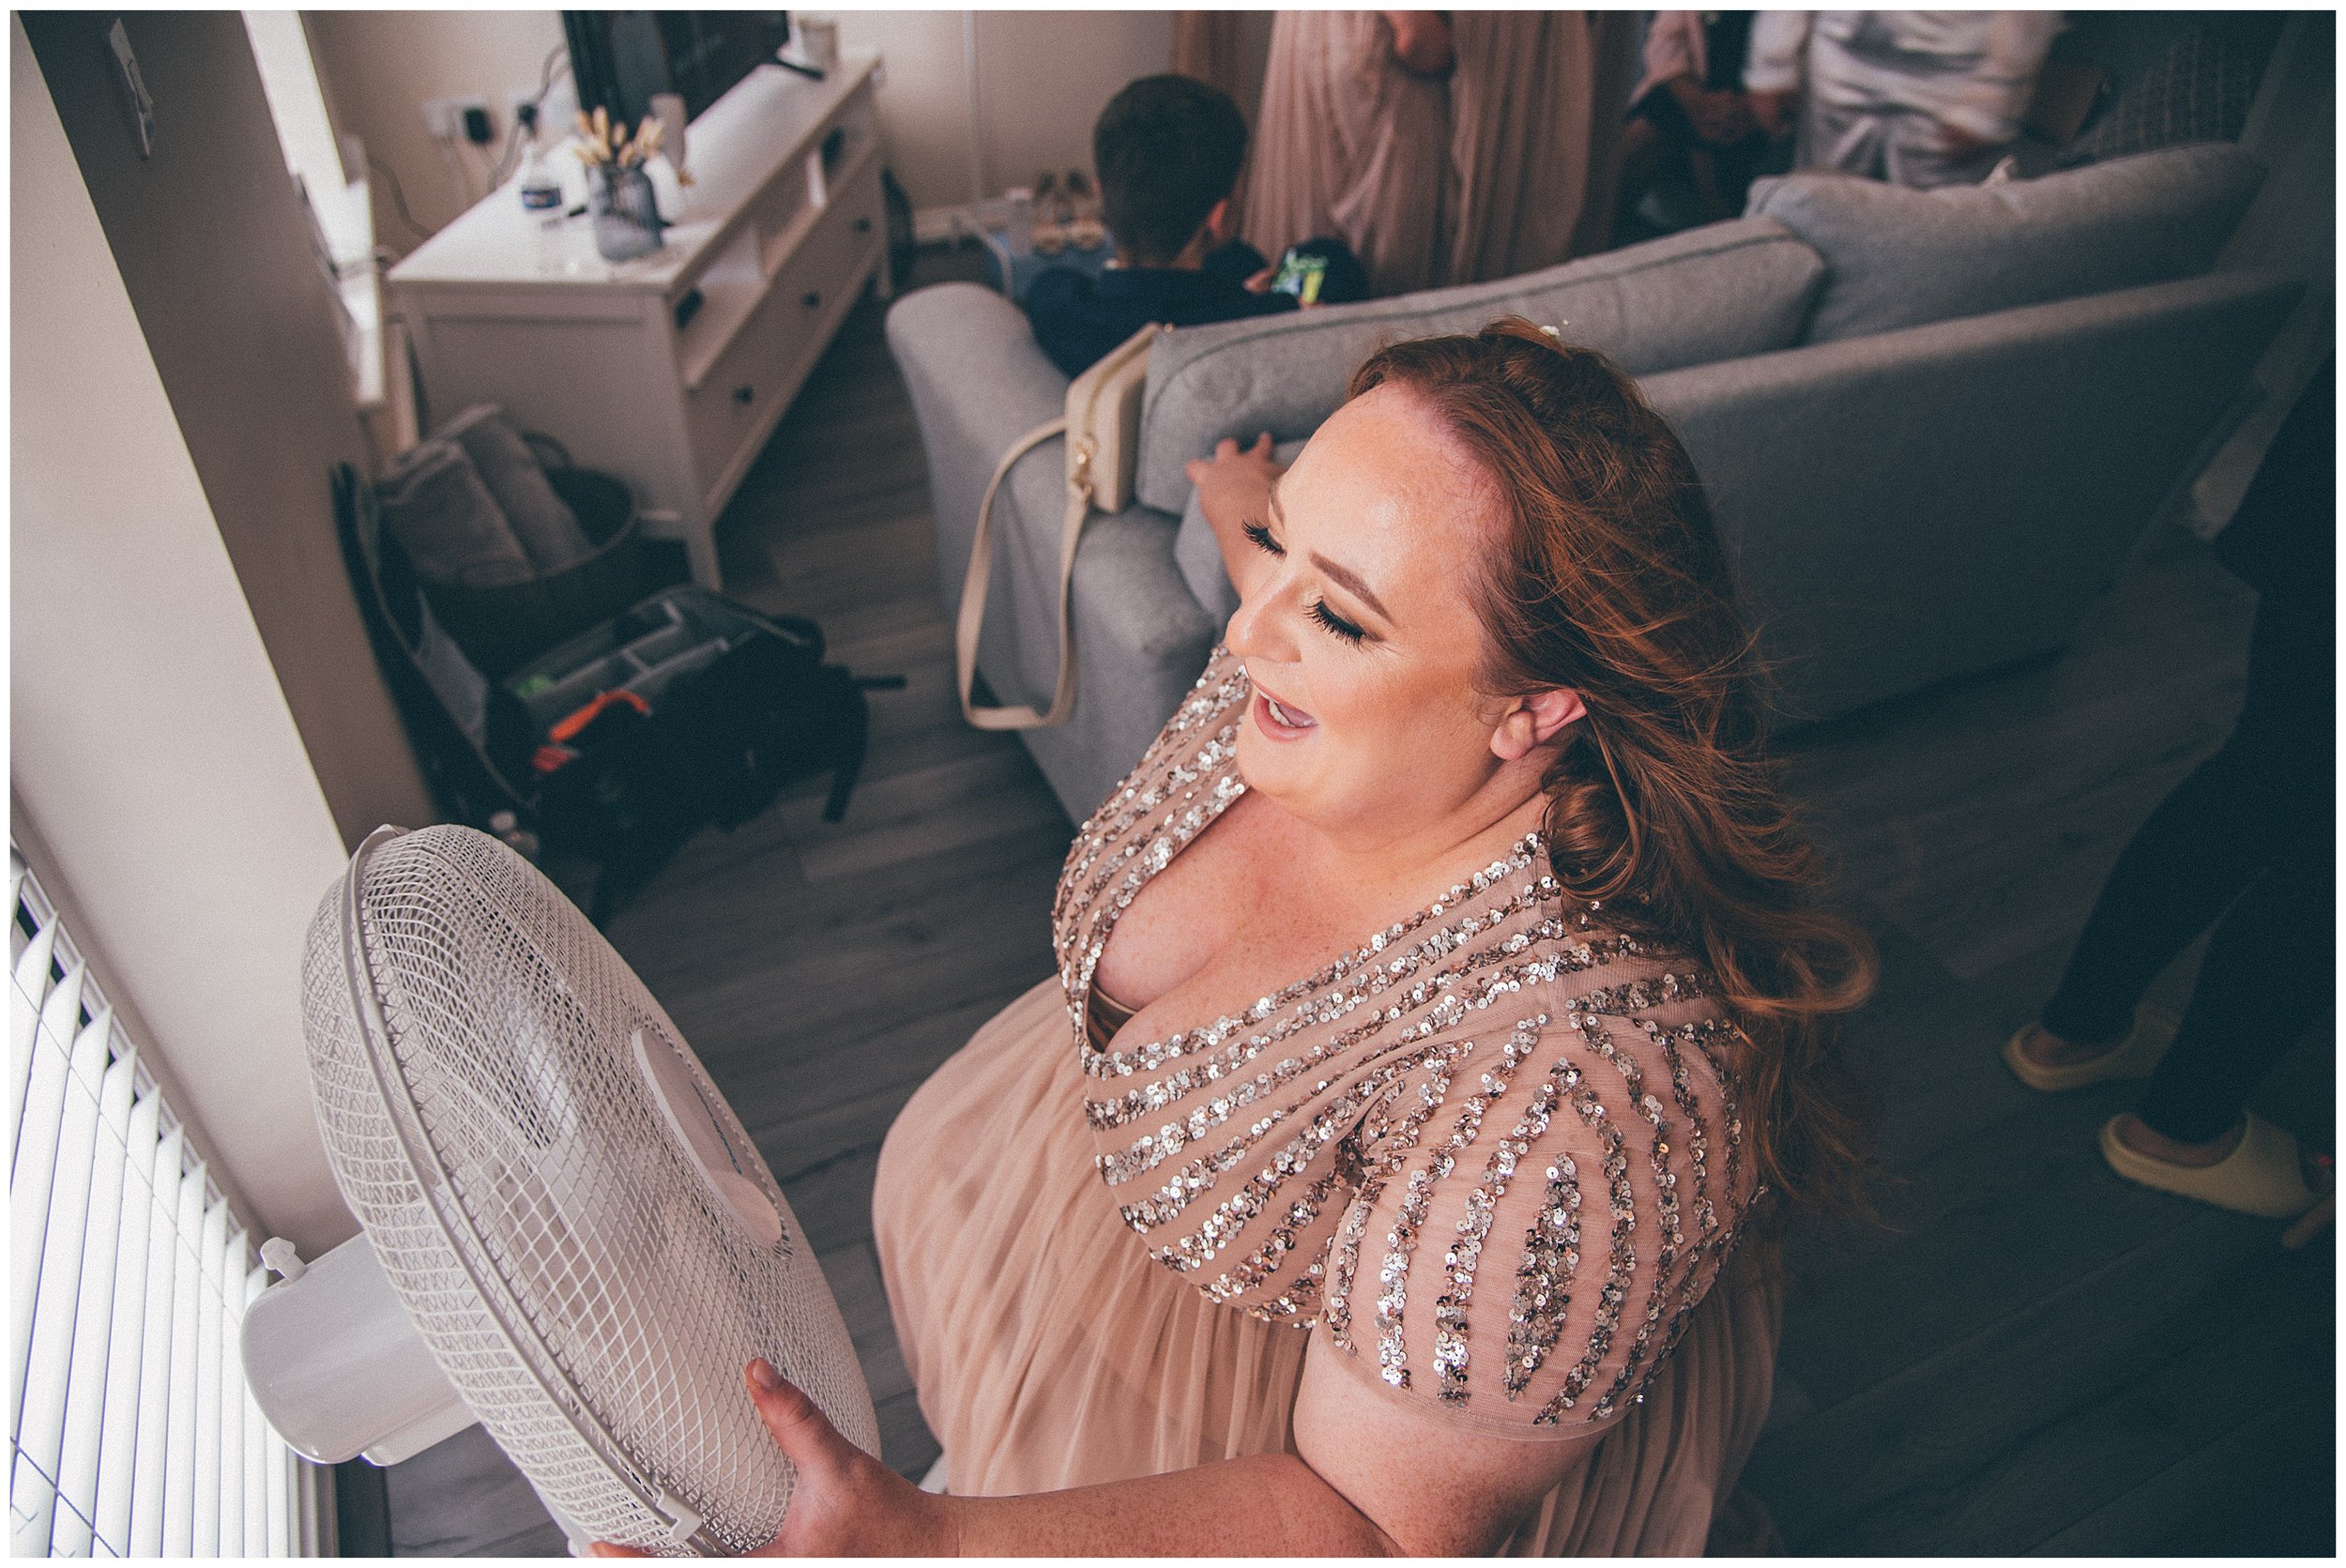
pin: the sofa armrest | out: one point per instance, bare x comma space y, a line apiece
1140, 641
978, 381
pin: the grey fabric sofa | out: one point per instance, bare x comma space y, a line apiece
1933, 425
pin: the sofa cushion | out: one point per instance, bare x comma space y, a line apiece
1896, 257
1719, 292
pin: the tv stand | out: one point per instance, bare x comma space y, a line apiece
671, 369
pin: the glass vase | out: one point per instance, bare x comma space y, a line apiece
626, 213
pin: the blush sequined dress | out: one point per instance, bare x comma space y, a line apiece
1493, 1156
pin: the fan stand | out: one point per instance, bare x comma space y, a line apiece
336, 1364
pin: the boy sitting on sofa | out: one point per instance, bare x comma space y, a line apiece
1168, 151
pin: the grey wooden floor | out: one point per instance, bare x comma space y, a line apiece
2033, 1356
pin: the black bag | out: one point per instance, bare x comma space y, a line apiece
713, 743
686, 710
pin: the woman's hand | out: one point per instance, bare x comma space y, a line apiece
1234, 485
847, 1503
1233, 490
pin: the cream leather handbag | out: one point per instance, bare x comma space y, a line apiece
1103, 429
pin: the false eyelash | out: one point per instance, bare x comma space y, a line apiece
1319, 612
1261, 536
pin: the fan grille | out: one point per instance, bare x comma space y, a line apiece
619, 1296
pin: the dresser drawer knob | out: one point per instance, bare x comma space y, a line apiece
863, 225
812, 300
745, 395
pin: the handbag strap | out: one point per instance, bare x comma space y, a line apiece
974, 586
1080, 425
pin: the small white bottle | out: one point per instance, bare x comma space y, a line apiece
542, 200
541, 188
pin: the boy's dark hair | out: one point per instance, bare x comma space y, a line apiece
1167, 148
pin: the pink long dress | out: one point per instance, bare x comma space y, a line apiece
1508, 163
1493, 1156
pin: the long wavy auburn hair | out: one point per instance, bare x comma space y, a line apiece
1663, 804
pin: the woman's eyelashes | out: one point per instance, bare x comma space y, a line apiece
1335, 623
1317, 609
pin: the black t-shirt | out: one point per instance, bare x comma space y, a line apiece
1078, 319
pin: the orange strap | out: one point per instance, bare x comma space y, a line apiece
579, 719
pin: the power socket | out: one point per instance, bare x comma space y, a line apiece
445, 119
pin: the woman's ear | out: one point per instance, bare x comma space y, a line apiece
1534, 721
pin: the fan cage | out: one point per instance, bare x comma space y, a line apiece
582, 1286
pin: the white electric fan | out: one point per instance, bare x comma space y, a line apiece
568, 1235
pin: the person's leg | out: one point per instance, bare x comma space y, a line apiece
2265, 795
2192, 856
2268, 976
2269, 966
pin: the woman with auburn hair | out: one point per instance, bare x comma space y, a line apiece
1443, 1017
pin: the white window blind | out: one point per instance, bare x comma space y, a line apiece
133, 1433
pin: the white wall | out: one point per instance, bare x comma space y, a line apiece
1043, 79
378, 67
151, 747
209, 240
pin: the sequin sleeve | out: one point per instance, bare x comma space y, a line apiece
1524, 1256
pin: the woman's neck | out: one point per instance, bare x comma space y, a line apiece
1481, 828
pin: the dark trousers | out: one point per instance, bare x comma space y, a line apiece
2248, 840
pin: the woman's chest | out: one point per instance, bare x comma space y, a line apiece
1242, 912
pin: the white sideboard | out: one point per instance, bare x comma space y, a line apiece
671, 369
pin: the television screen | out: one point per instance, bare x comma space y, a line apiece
620, 59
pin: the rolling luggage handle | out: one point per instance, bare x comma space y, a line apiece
1102, 425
